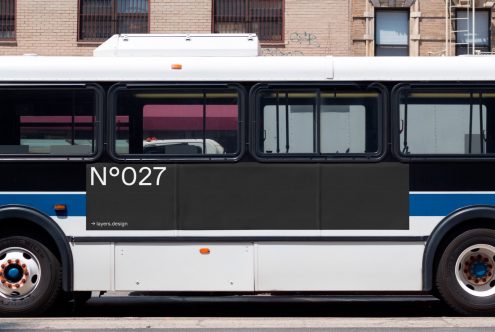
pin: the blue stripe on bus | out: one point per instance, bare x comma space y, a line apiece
444, 204
76, 203
419, 204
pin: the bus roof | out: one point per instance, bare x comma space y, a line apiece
245, 69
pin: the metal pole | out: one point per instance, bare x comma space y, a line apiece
447, 36
204, 122
473, 26
277, 121
367, 31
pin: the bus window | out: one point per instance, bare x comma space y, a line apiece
172, 122
122, 134
318, 122
349, 122
288, 122
47, 122
446, 122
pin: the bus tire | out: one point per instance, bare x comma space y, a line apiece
30, 277
465, 276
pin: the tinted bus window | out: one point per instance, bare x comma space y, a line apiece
288, 122
349, 122
318, 122
446, 122
47, 122
173, 122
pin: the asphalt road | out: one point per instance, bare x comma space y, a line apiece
116, 305
157, 313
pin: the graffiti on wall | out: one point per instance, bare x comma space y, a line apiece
304, 38
274, 51
299, 39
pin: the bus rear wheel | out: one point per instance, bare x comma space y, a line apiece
466, 273
30, 279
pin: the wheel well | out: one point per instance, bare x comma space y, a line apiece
462, 227
22, 227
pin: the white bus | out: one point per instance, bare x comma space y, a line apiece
276, 175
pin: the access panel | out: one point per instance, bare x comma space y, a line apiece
184, 267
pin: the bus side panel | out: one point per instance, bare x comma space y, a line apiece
93, 266
369, 196
248, 196
266, 196
184, 267
42, 176
350, 266
447, 177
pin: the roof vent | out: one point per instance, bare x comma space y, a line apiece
144, 45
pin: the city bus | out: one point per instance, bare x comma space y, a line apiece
247, 175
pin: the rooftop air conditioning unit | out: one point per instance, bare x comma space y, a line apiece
158, 45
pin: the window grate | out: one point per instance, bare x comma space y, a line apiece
7, 20
100, 19
263, 17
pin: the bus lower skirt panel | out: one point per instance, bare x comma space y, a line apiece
249, 267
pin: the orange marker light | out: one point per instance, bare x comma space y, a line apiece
60, 207
176, 66
204, 251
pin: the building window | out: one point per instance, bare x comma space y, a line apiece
7, 20
391, 32
464, 42
100, 19
262, 17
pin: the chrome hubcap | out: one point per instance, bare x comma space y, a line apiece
475, 269
19, 273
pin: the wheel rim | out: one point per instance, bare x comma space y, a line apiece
475, 269
20, 273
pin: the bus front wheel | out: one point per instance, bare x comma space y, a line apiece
466, 273
30, 278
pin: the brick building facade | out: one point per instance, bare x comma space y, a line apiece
309, 27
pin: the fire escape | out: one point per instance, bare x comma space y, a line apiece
456, 25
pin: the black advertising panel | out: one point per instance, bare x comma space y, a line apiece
247, 196
130, 197
365, 196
